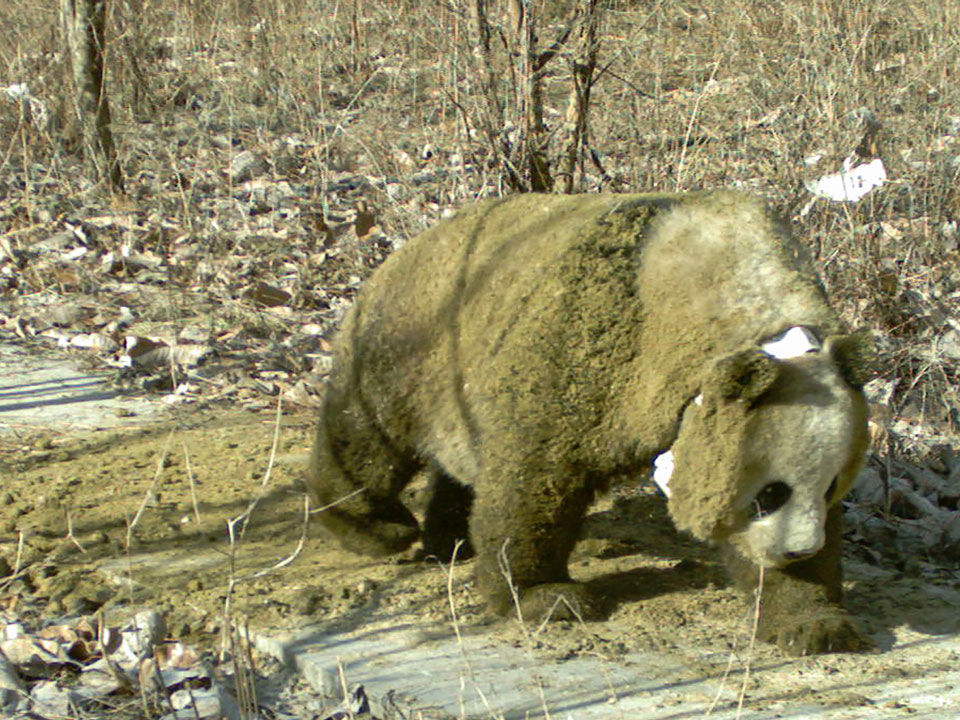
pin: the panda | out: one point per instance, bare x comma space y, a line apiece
531, 351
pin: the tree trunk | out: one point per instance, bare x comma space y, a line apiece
532, 148
83, 23
584, 64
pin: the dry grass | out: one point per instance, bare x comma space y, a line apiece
690, 95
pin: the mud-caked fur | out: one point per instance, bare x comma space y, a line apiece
529, 351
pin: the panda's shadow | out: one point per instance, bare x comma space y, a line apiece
637, 525
885, 599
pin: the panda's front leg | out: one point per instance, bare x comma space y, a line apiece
526, 518
801, 604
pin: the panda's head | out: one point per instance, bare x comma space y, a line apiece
770, 445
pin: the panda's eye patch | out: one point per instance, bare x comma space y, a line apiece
831, 491
771, 498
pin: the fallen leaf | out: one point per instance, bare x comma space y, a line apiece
267, 295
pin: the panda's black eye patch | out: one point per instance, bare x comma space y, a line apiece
831, 491
771, 498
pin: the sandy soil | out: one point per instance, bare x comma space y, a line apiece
109, 521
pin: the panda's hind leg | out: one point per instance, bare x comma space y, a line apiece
356, 474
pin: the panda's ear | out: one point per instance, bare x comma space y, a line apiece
855, 355
745, 375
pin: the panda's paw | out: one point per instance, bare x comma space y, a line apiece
364, 536
560, 601
829, 631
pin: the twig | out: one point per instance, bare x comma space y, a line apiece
231, 584
693, 118
750, 648
193, 703
292, 556
515, 595
455, 620
338, 501
268, 473
508, 578
193, 488
70, 535
723, 680
243, 674
17, 569
342, 675
453, 608
162, 686
558, 601
149, 493
18, 562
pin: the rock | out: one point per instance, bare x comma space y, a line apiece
928, 482
951, 538
877, 532
869, 489
86, 600
212, 702
247, 166
11, 687
941, 459
948, 345
907, 503
141, 634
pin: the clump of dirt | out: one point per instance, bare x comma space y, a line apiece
147, 518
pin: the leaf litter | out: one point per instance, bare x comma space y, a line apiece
242, 309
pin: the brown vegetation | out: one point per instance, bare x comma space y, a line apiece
381, 102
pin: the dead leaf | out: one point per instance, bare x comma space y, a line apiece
366, 219
177, 655
150, 353
137, 347
267, 295
35, 657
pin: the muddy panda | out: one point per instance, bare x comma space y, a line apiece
530, 351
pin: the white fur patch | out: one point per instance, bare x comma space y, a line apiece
662, 470
663, 463
793, 343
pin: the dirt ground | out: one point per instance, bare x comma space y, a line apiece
110, 521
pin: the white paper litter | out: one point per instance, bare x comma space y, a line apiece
662, 470
851, 183
20, 93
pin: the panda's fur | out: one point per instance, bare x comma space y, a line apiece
529, 351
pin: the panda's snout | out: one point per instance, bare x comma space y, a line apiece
785, 538
802, 548
794, 555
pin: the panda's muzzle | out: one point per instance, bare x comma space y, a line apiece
794, 555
